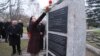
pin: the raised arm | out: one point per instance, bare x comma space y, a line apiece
40, 18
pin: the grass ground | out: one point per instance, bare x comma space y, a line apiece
95, 41
24, 29
96, 33
5, 49
90, 53
94, 44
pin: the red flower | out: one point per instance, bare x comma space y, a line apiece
50, 2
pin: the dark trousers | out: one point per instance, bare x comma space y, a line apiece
6, 38
41, 44
18, 48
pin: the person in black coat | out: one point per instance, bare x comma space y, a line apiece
20, 23
14, 37
7, 24
42, 31
1, 26
3, 30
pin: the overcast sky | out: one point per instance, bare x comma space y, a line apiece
29, 7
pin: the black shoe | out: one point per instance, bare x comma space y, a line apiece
20, 53
13, 54
6, 41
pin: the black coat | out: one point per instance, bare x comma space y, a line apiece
7, 24
21, 28
14, 34
42, 29
35, 38
1, 27
3, 30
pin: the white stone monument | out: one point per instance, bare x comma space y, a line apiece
75, 32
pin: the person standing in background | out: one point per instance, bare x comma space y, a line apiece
7, 24
3, 33
1, 26
42, 30
14, 37
20, 23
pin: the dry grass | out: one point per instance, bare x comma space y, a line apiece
5, 49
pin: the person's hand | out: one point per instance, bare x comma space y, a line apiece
47, 9
41, 33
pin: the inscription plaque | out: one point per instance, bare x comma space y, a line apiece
58, 20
